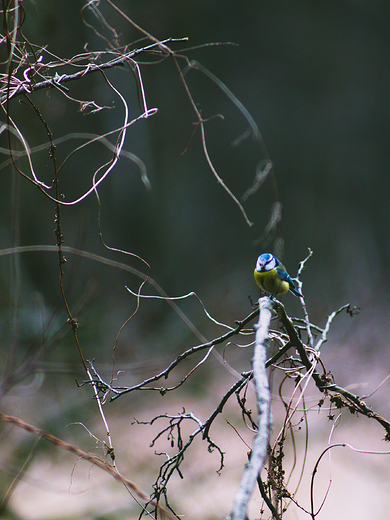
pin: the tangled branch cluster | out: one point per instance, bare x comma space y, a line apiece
300, 361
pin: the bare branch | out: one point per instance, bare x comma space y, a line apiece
98, 461
263, 398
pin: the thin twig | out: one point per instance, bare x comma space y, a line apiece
98, 461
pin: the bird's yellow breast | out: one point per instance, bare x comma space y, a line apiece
271, 282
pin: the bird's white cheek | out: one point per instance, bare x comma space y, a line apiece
271, 264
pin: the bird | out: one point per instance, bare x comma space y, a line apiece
271, 276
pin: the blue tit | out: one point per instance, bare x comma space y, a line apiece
272, 277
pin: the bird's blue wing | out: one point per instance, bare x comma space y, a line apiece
283, 275
287, 278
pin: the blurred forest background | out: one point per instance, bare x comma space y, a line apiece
315, 78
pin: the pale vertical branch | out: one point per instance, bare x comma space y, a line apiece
263, 398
